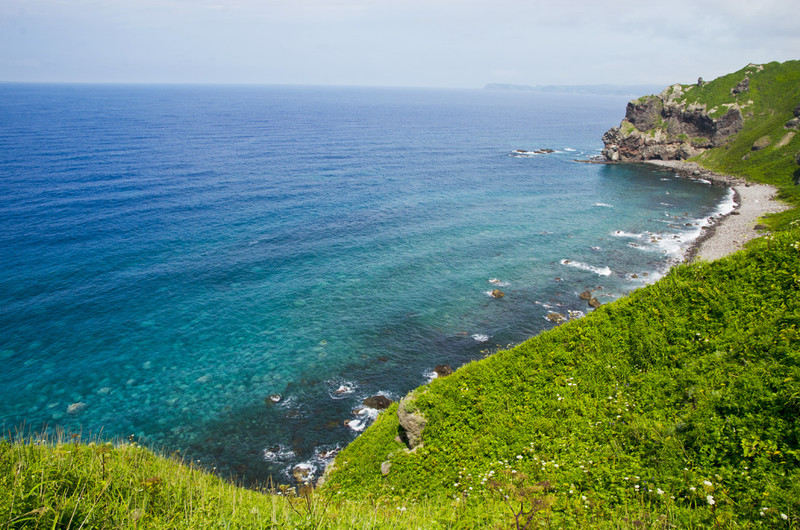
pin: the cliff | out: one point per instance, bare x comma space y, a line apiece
685, 121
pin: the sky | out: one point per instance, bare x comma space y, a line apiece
404, 43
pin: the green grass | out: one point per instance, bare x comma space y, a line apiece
65, 482
686, 388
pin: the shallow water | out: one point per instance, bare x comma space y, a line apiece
173, 256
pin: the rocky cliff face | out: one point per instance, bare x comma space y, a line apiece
663, 127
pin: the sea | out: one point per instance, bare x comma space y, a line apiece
226, 272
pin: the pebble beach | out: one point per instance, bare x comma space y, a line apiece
730, 232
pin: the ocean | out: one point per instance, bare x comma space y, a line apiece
226, 272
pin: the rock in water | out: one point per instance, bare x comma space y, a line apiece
558, 318
497, 293
302, 473
595, 303
377, 402
443, 370
586, 295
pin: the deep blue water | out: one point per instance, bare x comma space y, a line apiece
172, 256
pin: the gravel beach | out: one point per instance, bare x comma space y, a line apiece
730, 232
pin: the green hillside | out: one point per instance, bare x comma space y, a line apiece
767, 106
674, 407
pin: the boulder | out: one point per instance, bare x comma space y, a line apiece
443, 370
412, 422
558, 318
585, 295
497, 293
797, 111
594, 302
302, 473
377, 402
385, 467
741, 87
761, 143
797, 158
273, 398
794, 123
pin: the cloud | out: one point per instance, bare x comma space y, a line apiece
414, 42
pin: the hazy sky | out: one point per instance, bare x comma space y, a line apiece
426, 43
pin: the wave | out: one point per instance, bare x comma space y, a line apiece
339, 389
495, 281
479, 337
278, 454
604, 205
602, 271
363, 417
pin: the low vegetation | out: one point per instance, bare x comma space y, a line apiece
674, 407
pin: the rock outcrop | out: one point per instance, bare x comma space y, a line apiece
665, 127
412, 422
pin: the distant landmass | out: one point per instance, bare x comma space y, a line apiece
609, 90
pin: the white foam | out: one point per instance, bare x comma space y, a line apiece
702, 181
622, 233
728, 204
278, 454
364, 416
569, 149
602, 204
340, 389
602, 271
308, 465
429, 376
479, 337
499, 283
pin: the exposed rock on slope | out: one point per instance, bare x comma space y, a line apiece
666, 127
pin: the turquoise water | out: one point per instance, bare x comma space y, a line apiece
170, 257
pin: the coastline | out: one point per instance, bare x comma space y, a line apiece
731, 231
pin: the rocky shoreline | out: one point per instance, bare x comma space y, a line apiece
730, 232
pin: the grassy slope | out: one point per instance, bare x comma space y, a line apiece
685, 392
687, 388
774, 92
693, 379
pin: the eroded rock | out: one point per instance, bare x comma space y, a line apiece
412, 422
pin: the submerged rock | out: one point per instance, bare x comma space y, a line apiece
76, 408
